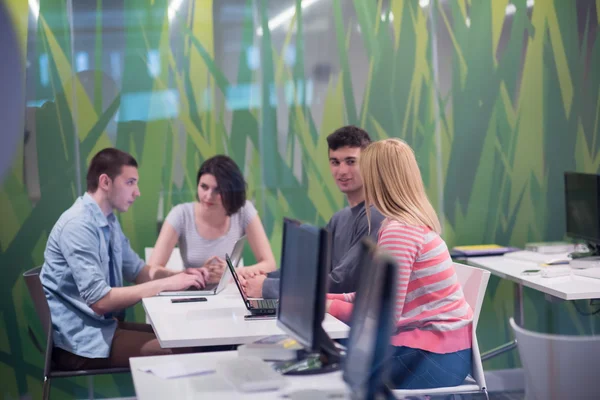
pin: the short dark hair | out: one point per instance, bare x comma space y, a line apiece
229, 179
350, 136
107, 161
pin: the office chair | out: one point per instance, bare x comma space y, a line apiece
36, 291
558, 366
474, 283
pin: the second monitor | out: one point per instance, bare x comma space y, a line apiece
582, 204
305, 261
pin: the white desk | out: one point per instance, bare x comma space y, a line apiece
572, 287
213, 386
218, 321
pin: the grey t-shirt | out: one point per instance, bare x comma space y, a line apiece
347, 226
195, 249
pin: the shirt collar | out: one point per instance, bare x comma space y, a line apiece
357, 208
97, 213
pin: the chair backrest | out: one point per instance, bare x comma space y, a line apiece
40, 303
558, 366
175, 262
36, 291
474, 283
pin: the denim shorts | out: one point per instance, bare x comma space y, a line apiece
419, 369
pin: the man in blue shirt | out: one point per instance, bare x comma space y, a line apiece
87, 258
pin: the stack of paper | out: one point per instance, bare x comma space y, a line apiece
540, 258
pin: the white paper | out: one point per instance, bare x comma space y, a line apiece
176, 370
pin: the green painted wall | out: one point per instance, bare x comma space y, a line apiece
509, 105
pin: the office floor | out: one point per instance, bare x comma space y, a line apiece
517, 395
507, 396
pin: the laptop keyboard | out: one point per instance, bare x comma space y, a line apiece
269, 303
209, 288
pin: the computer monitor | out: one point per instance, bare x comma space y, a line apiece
372, 324
305, 260
582, 204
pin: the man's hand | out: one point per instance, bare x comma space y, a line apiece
200, 272
183, 281
215, 267
253, 286
249, 272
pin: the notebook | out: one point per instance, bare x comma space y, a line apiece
480, 250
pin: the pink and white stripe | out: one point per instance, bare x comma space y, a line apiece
431, 311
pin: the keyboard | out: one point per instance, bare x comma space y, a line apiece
264, 304
539, 258
250, 374
589, 272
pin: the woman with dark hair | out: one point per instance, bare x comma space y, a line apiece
208, 228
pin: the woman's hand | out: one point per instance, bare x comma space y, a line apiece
201, 272
215, 267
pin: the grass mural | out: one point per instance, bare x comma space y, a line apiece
523, 105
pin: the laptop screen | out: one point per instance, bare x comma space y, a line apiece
235, 277
236, 253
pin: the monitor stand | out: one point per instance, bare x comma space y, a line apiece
327, 359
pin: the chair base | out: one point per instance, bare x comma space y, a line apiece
460, 389
46, 388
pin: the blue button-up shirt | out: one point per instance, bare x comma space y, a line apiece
76, 274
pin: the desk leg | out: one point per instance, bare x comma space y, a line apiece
519, 313
90, 387
519, 316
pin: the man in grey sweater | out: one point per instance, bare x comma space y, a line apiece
348, 226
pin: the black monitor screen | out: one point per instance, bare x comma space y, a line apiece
301, 282
582, 207
372, 324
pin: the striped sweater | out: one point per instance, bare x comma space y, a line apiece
431, 311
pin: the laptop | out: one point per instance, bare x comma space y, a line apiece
255, 306
212, 290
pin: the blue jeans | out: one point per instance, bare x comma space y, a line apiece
420, 369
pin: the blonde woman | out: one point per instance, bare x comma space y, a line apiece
432, 344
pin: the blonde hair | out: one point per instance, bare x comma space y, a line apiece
393, 184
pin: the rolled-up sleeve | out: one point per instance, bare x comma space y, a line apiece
270, 289
80, 245
132, 263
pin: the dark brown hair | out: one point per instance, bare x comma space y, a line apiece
350, 136
230, 181
108, 161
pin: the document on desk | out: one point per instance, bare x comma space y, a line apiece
539, 258
176, 370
